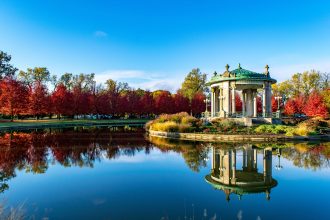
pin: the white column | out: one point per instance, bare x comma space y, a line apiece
269, 99
228, 100
243, 103
233, 103
249, 103
216, 101
255, 107
264, 101
212, 102
221, 101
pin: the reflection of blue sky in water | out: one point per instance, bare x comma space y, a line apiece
156, 155
160, 185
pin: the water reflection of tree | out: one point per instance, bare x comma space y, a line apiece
3, 179
194, 154
309, 156
34, 151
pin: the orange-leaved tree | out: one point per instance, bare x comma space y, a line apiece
315, 106
13, 97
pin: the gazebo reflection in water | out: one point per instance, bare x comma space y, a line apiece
226, 177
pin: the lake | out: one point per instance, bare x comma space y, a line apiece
120, 173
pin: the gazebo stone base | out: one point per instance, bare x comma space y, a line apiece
248, 121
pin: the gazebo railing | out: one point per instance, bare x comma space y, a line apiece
206, 114
276, 114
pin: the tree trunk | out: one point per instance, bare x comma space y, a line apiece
11, 115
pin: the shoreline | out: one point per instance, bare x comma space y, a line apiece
19, 126
235, 137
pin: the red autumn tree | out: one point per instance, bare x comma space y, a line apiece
101, 103
122, 105
276, 104
181, 103
197, 103
295, 105
148, 103
315, 106
238, 103
39, 102
290, 107
259, 104
62, 101
134, 106
81, 101
13, 98
164, 102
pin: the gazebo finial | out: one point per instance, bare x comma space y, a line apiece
239, 66
267, 69
227, 67
268, 194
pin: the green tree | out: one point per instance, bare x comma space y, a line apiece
67, 80
193, 83
326, 97
325, 84
116, 87
311, 81
39, 75
284, 88
302, 83
85, 82
6, 69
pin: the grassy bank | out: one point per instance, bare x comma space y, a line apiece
34, 124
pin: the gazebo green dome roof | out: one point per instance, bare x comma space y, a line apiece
241, 74
241, 189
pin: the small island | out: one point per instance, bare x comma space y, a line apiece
186, 127
242, 109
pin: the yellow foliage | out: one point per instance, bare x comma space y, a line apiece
168, 126
302, 131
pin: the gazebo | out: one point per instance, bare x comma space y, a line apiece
224, 87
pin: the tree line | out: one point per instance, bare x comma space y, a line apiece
27, 93
306, 93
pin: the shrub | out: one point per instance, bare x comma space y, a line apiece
261, 129
226, 124
290, 131
281, 129
162, 118
189, 120
185, 128
311, 126
181, 122
302, 130
275, 129
168, 126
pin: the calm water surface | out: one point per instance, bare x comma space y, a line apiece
120, 174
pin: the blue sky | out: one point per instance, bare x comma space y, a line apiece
154, 43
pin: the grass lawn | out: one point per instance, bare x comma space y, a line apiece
54, 122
